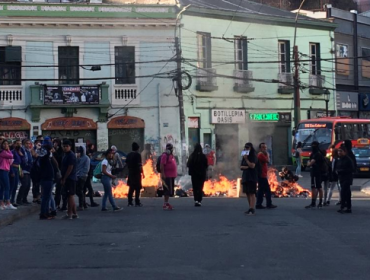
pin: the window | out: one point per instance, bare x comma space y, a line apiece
315, 63
10, 65
284, 57
125, 65
204, 50
69, 72
241, 53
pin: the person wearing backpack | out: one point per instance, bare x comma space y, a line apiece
47, 178
106, 179
316, 163
198, 165
298, 159
168, 174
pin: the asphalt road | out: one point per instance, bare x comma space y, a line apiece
216, 241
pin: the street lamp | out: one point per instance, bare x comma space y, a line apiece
327, 98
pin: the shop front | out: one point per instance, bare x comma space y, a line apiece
15, 128
347, 104
364, 105
227, 125
274, 129
80, 131
124, 130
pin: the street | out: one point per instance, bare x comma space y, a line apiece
216, 241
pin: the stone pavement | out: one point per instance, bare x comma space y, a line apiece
216, 242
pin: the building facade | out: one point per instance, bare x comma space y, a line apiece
91, 73
242, 68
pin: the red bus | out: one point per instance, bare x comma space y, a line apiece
329, 131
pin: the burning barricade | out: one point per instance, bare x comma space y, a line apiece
220, 187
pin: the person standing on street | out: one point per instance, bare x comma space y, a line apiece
198, 165
298, 159
69, 178
334, 177
18, 157
325, 176
82, 169
46, 181
135, 173
25, 177
168, 175
211, 159
106, 180
58, 156
345, 169
6, 159
250, 176
316, 163
263, 183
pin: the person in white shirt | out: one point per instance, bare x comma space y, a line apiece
107, 182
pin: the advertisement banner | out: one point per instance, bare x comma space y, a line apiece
71, 95
347, 101
364, 101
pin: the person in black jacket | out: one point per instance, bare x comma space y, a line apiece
345, 169
46, 181
58, 155
135, 174
198, 165
250, 176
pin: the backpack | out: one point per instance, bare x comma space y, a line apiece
97, 171
35, 171
296, 154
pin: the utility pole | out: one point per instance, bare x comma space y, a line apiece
181, 106
297, 96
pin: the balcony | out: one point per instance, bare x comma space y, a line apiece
206, 79
12, 96
316, 84
243, 81
286, 85
125, 95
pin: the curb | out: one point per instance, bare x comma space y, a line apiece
16, 215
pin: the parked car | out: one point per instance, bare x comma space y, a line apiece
362, 155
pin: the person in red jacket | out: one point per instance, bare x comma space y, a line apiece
263, 184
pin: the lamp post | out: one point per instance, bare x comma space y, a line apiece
327, 98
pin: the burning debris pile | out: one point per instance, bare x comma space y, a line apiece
285, 188
220, 187
152, 179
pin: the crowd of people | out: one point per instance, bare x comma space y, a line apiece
49, 163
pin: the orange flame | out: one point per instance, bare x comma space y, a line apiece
285, 188
223, 186
152, 179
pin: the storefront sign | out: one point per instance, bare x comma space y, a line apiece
75, 123
364, 101
316, 114
126, 122
71, 95
268, 117
227, 116
193, 122
15, 135
14, 124
347, 101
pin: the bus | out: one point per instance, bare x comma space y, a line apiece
330, 131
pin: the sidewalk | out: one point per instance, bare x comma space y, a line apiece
8, 217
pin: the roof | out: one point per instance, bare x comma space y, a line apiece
245, 8
242, 6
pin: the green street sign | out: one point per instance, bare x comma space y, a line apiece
269, 117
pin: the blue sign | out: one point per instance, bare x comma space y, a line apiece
364, 101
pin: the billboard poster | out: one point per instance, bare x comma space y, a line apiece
71, 95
